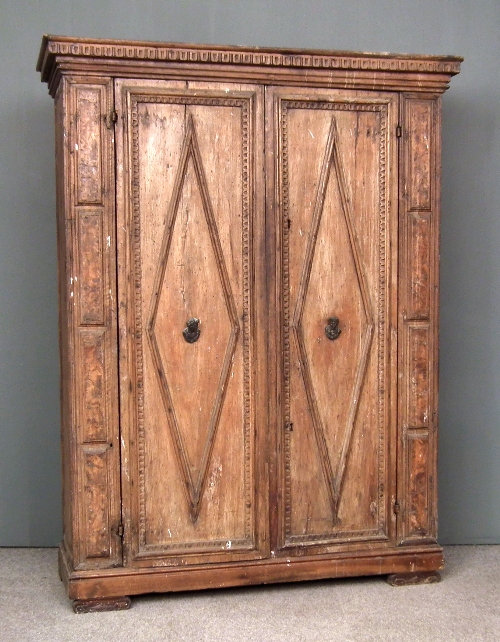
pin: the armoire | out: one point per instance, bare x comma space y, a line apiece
248, 285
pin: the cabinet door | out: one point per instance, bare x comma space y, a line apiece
189, 228
336, 229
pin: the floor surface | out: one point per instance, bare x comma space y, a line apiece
464, 606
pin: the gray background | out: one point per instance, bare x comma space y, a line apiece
469, 465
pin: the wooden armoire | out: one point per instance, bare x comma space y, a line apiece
248, 263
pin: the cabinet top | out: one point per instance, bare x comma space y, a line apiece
383, 71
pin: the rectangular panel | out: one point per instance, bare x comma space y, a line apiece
190, 352
420, 142
90, 281
419, 265
418, 464
335, 167
418, 383
92, 373
97, 541
88, 144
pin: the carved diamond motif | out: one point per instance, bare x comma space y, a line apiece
181, 288
357, 337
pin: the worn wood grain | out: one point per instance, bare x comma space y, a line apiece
126, 581
88, 330
248, 259
192, 427
101, 605
337, 206
418, 315
410, 579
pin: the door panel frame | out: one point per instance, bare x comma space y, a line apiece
219, 552
275, 250
269, 412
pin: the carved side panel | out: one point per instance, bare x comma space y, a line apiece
420, 150
96, 466
419, 264
64, 239
418, 338
92, 368
90, 256
88, 327
419, 216
418, 489
90, 106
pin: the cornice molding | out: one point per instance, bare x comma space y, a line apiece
53, 46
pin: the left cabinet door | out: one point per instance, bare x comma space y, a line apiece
190, 224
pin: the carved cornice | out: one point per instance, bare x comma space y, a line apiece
117, 50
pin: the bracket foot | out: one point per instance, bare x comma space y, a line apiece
101, 604
408, 579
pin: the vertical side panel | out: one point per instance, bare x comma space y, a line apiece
418, 490
91, 462
95, 464
93, 411
420, 127
88, 146
419, 380
90, 255
419, 262
418, 323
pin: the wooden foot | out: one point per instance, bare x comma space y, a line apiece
102, 604
407, 579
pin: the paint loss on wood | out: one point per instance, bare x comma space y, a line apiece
248, 287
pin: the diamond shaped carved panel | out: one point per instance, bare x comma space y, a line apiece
326, 371
333, 284
192, 281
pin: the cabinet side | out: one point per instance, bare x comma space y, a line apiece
87, 317
65, 344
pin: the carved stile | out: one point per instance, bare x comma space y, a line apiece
419, 247
91, 299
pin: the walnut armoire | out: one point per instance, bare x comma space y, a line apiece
248, 269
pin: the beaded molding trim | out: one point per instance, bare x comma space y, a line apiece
363, 62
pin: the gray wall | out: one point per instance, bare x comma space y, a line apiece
470, 322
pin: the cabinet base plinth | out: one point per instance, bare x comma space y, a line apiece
101, 585
407, 579
102, 604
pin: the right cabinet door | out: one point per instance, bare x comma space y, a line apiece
335, 190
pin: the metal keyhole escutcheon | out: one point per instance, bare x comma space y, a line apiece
332, 330
192, 332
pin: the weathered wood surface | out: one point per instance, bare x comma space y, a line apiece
411, 579
88, 330
418, 315
248, 257
127, 581
336, 188
102, 604
190, 223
